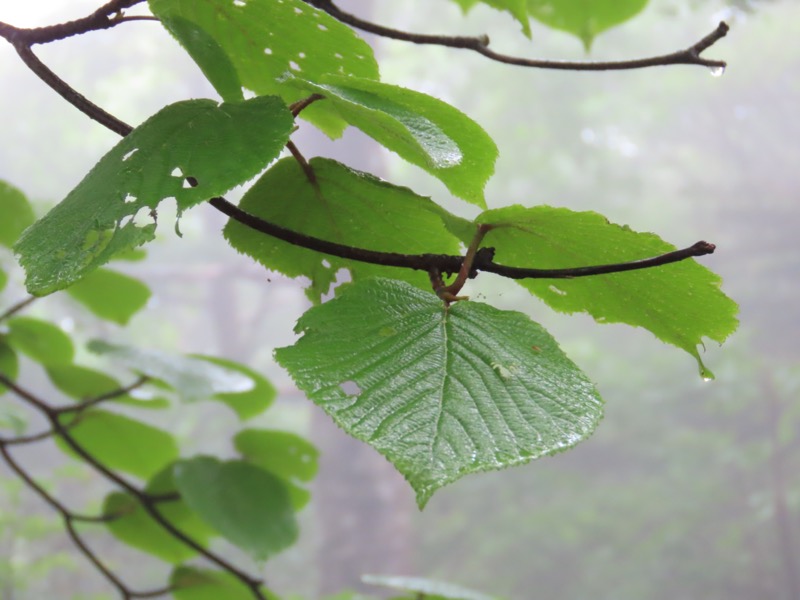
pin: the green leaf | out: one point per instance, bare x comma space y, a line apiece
12, 418
3, 279
251, 402
348, 207
221, 145
17, 214
9, 363
208, 55
193, 378
266, 40
584, 18
430, 589
680, 303
284, 454
247, 505
120, 443
441, 392
138, 529
82, 383
190, 583
423, 130
111, 295
517, 8
44, 342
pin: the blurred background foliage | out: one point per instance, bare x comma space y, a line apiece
688, 489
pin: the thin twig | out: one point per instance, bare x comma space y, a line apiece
14, 309
479, 44
307, 168
297, 107
82, 406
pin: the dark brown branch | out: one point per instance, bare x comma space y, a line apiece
301, 160
14, 309
297, 107
688, 56
82, 406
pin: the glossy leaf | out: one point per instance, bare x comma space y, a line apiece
208, 54
17, 214
138, 529
40, 340
584, 18
250, 402
421, 129
266, 40
191, 583
348, 207
111, 210
193, 378
111, 295
517, 8
283, 454
440, 392
680, 303
83, 383
9, 363
430, 589
121, 443
247, 505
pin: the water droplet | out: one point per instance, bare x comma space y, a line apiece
717, 71
706, 378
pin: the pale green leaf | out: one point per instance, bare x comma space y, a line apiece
111, 210
266, 40
193, 378
346, 206
191, 583
120, 443
584, 18
517, 8
83, 383
40, 340
247, 505
423, 130
430, 589
680, 303
110, 295
3, 279
246, 403
441, 392
9, 363
17, 214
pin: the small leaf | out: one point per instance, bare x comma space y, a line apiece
120, 443
44, 342
283, 454
679, 303
9, 363
248, 403
3, 280
111, 295
584, 18
12, 418
430, 589
517, 8
222, 145
82, 383
346, 206
193, 378
441, 392
244, 503
266, 40
423, 130
191, 583
208, 55
17, 214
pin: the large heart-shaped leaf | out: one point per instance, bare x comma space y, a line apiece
441, 392
422, 129
265, 40
112, 209
344, 206
680, 303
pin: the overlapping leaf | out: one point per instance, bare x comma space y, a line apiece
9, 362
111, 295
345, 206
17, 214
40, 340
266, 40
429, 589
422, 129
246, 403
191, 583
247, 505
584, 18
680, 303
517, 8
441, 392
111, 210
83, 383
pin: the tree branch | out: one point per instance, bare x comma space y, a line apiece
480, 44
15, 308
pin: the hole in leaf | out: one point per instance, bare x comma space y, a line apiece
301, 54
558, 291
129, 154
294, 66
350, 388
267, 50
238, 2
322, 27
325, 263
177, 172
129, 199
187, 184
299, 11
139, 219
339, 56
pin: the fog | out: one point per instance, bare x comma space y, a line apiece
688, 489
